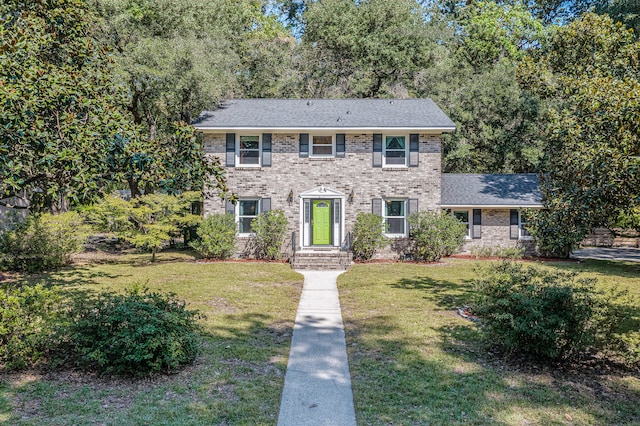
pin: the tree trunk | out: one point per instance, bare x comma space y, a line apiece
133, 187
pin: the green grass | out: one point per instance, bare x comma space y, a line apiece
238, 379
415, 362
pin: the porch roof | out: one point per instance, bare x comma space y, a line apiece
490, 190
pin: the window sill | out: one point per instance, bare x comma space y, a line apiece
248, 167
395, 168
322, 158
525, 238
395, 236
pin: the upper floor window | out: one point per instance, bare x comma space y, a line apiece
395, 218
463, 216
322, 146
249, 150
395, 151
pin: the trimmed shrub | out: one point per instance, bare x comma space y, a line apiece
217, 237
42, 242
134, 334
28, 318
543, 313
512, 253
435, 234
367, 236
270, 229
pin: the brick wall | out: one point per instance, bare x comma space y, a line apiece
354, 173
496, 232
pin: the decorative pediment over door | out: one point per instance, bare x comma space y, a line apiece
322, 192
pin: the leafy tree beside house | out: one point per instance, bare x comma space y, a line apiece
589, 74
59, 104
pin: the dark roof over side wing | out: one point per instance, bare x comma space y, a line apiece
326, 113
490, 190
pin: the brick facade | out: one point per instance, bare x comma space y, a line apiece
496, 232
352, 174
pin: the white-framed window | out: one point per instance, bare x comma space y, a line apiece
247, 210
395, 150
523, 232
394, 214
463, 216
322, 146
248, 151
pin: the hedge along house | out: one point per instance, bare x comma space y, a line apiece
323, 161
492, 206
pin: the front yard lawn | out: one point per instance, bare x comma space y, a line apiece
238, 378
414, 361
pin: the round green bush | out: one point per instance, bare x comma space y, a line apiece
539, 312
42, 242
435, 234
367, 236
217, 237
134, 334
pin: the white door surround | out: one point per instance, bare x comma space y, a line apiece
337, 199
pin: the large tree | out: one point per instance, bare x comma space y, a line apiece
368, 48
59, 104
589, 73
176, 59
473, 78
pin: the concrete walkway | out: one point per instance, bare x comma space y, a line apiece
629, 254
317, 386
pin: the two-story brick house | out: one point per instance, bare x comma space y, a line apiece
322, 161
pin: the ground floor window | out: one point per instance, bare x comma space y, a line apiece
463, 216
248, 209
522, 226
395, 219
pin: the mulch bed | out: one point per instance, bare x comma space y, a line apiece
524, 259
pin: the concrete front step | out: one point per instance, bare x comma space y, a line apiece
321, 261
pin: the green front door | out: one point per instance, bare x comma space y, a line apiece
321, 223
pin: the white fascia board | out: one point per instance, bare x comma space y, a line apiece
495, 206
325, 129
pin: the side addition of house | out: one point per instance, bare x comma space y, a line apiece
493, 207
323, 161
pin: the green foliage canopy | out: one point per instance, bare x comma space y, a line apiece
588, 73
59, 104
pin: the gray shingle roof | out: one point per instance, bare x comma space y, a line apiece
326, 113
469, 190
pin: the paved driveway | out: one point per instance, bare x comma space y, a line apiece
605, 253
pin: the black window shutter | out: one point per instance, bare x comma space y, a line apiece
304, 144
265, 205
513, 222
414, 150
377, 150
230, 207
340, 142
266, 150
376, 206
477, 224
231, 150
